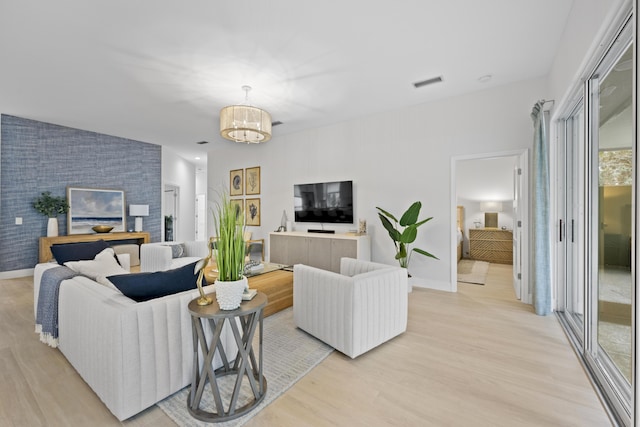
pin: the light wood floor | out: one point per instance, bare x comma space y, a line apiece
477, 357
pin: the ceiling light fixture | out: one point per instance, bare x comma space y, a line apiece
244, 123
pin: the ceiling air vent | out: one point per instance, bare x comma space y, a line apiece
428, 82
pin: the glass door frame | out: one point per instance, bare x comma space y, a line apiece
610, 383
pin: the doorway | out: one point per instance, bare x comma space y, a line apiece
491, 195
171, 210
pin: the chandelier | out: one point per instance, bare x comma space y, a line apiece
244, 123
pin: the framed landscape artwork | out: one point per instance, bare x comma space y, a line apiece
89, 207
252, 181
252, 208
236, 186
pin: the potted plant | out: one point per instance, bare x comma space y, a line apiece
51, 206
403, 237
229, 250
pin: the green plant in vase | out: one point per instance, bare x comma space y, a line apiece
230, 245
229, 252
51, 206
404, 232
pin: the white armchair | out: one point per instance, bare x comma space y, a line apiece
354, 311
160, 256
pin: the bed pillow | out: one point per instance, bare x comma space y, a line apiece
145, 286
104, 264
82, 251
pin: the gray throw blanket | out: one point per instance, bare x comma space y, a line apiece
47, 312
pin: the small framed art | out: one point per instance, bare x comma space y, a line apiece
252, 181
236, 186
239, 205
253, 211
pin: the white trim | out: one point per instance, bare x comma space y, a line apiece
14, 274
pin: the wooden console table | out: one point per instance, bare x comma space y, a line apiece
46, 242
317, 249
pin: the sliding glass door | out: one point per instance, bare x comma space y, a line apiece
570, 233
597, 225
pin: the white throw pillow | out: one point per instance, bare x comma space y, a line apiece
103, 265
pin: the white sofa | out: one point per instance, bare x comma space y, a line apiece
354, 311
131, 354
158, 256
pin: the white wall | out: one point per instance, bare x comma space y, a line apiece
181, 173
394, 159
581, 41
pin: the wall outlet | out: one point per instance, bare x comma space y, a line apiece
18, 220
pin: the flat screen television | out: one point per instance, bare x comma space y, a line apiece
324, 202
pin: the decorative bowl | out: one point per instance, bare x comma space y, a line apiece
102, 228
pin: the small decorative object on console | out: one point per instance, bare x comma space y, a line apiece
102, 228
362, 226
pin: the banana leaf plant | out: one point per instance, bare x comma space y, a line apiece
406, 234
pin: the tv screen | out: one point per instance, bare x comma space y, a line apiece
324, 202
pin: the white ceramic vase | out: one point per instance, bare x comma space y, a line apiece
229, 294
52, 227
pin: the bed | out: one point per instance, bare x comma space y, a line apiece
459, 233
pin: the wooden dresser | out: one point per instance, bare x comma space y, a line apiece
491, 245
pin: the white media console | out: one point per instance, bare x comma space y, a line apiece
317, 249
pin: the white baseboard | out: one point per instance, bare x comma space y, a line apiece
14, 274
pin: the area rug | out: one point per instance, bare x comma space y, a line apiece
289, 354
470, 271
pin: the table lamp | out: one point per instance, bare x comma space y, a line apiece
138, 211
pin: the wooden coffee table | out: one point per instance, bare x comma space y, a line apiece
275, 282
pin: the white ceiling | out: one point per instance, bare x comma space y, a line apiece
160, 70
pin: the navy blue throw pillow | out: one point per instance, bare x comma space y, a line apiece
145, 286
81, 251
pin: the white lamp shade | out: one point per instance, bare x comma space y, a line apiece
243, 123
491, 206
139, 210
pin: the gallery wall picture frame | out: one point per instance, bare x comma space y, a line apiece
89, 207
236, 182
252, 181
252, 210
239, 204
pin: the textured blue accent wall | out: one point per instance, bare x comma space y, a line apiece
37, 157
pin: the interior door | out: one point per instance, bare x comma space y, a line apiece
517, 225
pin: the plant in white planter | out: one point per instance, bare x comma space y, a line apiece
230, 254
51, 206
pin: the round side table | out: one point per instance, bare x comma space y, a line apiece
243, 323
